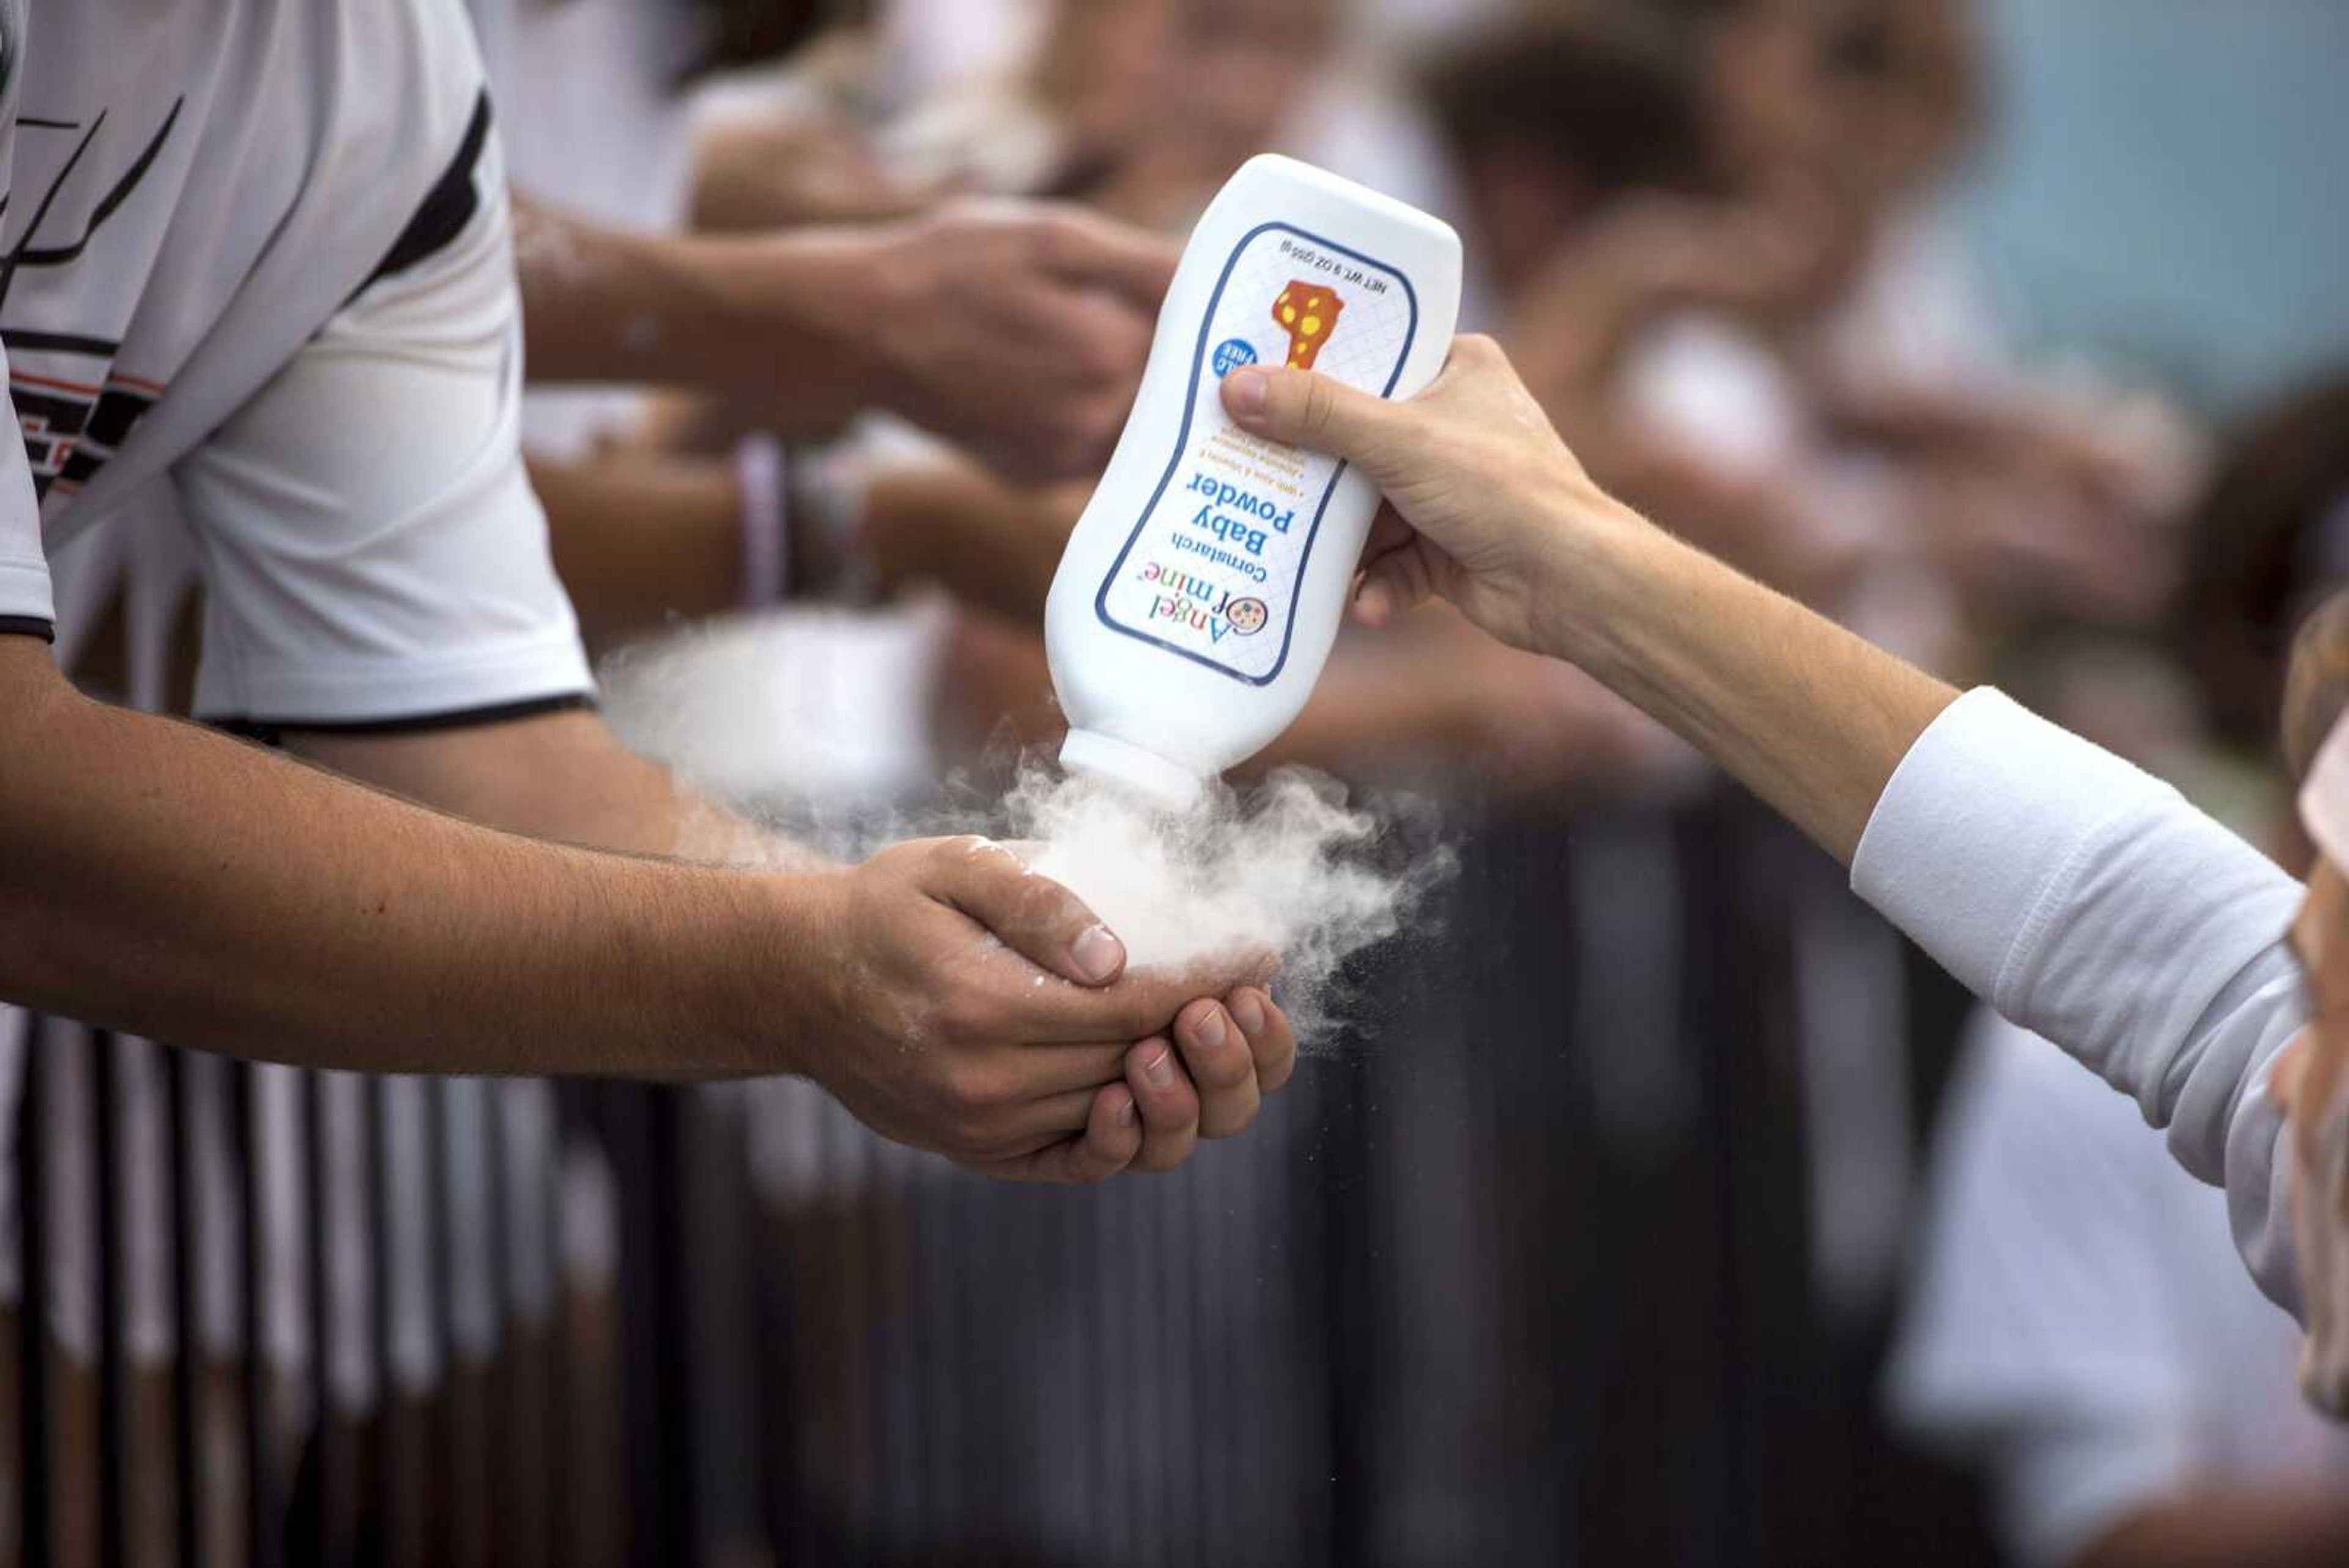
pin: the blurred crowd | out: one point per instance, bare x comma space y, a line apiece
811, 547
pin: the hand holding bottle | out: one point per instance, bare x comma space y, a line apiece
1484, 499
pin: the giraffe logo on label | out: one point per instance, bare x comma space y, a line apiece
1309, 313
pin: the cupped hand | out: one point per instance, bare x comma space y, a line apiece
1485, 502
956, 1001
1206, 1081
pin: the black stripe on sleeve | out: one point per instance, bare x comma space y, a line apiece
27, 626
448, 207
59, 343
272, 731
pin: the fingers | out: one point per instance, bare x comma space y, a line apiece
1141, 1002
1207, 1080
1111, 1138
1271, 1042
1394, 583
1168, 1104
1307, 409
1133, 264
1058, 1069
1223, 1069
1034, 916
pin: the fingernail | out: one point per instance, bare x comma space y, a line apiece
1159, 1069
1127, 1115
1246, 393
1097, 953
1209, 1030
1248, 1012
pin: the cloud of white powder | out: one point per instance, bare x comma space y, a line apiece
1288, 864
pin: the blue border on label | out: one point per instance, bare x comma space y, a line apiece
1183, 442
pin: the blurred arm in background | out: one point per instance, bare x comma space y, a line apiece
641, 538
1017, 331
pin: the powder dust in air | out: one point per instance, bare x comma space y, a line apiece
1288, 864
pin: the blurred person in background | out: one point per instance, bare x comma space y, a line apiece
1790, 355
2072, 1326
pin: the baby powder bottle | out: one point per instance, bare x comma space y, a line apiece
1199, 596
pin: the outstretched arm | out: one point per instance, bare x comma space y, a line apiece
1017, 330
165, 880
2085, 901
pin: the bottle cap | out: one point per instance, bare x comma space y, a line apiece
1164, 782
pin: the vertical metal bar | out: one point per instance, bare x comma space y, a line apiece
668, 1260
264, 1539
1219, 1309
395, 1466
659, 1466
773, 1345
932, 1262
887, 1276
570, 1116
1333, 1238
331, 1486
187, 1368
516, 1533
1112, 1367
1083, 1477
464, 1435
1178, 1468
114, 1458
33, 1327
515, 1536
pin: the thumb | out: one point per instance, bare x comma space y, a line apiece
1304, 409
1033, 916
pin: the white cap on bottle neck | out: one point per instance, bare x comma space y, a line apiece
1165, 784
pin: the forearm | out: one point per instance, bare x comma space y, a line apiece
1808, 716
609, 798
2236, 1528
991, 543
253, 906
761, 315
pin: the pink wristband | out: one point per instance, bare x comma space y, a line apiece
758, 469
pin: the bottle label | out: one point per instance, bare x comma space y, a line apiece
1212, 567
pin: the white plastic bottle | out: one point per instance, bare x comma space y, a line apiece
1199, 596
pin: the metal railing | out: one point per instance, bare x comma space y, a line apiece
1520, 1275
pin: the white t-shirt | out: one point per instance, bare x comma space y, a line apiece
2076, 1321
595, 126
259, 250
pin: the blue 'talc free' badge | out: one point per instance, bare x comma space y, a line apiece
1231, 354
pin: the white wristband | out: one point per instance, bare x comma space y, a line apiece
831, 490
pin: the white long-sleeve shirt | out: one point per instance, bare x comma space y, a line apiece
2089, 903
